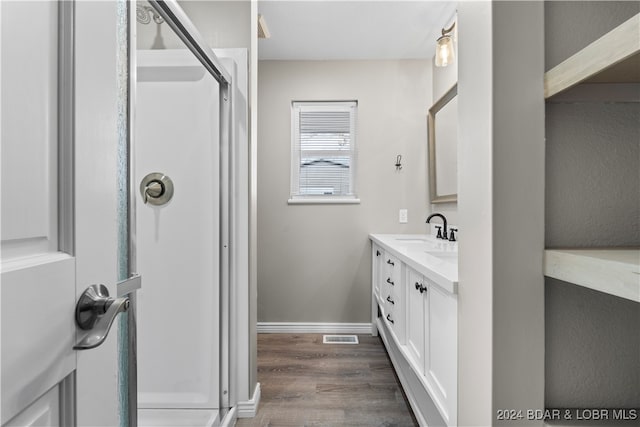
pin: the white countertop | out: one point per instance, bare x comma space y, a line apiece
435, 259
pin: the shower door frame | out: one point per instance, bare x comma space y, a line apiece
177, 19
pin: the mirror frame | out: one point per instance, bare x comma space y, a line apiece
431, 123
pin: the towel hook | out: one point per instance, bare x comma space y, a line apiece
399, 162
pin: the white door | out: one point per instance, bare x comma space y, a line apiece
59, 220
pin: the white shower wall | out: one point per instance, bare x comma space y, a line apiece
190, 345
177, 133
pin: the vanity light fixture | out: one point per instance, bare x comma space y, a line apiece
444, 47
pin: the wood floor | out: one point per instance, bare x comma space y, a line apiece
307, 383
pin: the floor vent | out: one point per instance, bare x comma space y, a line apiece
340, 339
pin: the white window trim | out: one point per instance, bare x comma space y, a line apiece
299, 199
326, 200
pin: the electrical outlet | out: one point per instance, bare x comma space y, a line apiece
402, 216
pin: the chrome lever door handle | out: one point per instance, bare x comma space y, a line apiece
96, 312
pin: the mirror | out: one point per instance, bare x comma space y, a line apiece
443, 148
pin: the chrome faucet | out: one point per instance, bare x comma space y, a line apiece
442, 235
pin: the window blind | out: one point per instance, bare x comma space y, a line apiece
323, 150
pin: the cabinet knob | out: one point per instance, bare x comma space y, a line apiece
417, 286
390, 262
377, 253
390, 300
390, 319
422, 289
389, 281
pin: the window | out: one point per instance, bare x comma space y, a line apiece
323, 152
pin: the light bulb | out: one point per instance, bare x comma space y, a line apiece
444, 51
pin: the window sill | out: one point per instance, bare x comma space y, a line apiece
322, 201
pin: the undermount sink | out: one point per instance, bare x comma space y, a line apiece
445, 256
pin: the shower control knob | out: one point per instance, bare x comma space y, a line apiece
156, 189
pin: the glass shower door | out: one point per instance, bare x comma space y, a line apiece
180, 179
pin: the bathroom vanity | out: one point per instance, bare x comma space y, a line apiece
415, 311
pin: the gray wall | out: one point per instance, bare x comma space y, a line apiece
593, 182
592, 348
593, 178
571, 25
314, 260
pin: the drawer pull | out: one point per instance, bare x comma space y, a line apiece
389, 318
390, 262
389, 281
390, 300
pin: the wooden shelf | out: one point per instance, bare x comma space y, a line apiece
612, 271
613, 58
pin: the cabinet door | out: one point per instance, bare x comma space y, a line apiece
415, 319
442, 356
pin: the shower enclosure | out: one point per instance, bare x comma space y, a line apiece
189, 223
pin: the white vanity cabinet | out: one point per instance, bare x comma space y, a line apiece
416, 313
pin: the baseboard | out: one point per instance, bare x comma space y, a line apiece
313, 328
249, 408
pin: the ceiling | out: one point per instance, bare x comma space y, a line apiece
355, 29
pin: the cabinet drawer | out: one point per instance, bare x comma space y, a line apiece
392, 268
390, 301
388, 287
390, 316
389, 280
